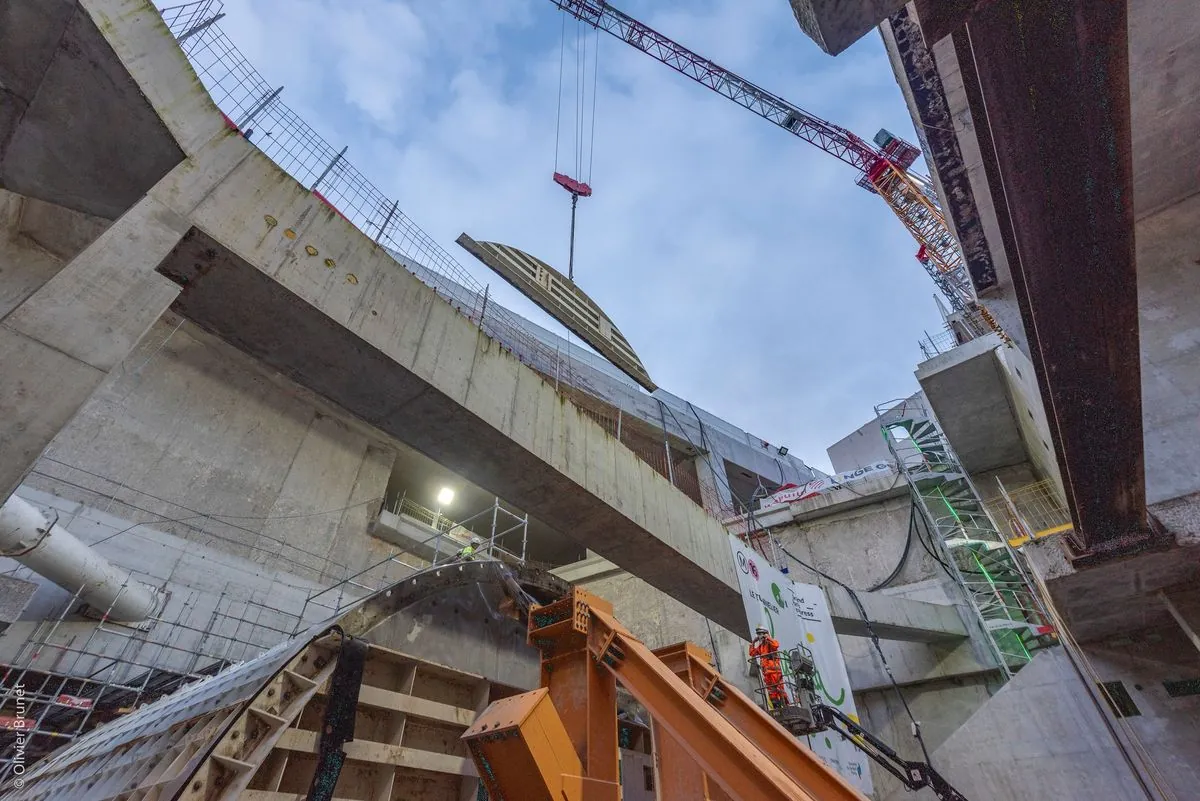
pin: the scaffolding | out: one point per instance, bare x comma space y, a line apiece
1031, 512
74, 672
973, 551
496, 528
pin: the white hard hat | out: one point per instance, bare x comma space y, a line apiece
474, 540
761, 630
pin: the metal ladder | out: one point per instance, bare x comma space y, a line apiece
991, 574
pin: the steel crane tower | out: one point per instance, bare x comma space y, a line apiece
882, 167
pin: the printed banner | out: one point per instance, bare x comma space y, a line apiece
821, 485
798, 614
74, 701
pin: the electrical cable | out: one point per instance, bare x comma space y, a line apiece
912, 509
916, 727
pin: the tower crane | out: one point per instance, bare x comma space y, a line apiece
882, 166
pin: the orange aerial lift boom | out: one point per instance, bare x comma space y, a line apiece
559, 742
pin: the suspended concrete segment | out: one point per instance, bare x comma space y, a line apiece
559, 297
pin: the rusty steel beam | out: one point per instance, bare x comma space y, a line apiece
1054, 80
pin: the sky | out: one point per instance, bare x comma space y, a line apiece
744, 265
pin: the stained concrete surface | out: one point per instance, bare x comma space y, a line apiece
468, 630
941, 707
198, 582
79, 132
1115, 597
860, 546
1040, 736
190, 429
1168, 245
465, 628
1164, 77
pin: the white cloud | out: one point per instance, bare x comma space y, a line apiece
749, 271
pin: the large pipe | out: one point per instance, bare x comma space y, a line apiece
55, 553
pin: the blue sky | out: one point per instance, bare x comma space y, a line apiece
751, 274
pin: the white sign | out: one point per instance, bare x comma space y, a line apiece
822, 485
798, 614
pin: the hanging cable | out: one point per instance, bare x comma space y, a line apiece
912, 523
916, 726
562, 48
595, 86
573, 183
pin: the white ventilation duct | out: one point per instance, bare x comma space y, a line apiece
55, 553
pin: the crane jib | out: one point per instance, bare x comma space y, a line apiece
883, 171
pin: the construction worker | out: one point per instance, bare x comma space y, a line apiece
467, 552
765, 652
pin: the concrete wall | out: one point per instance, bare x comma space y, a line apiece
219, 605
1040, 736
1168, 289
215, 602
940, 706
1030, 414
864, 446
188, 429
861, 546
1165, 726
27, 263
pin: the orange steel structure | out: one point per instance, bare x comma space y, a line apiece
560, 742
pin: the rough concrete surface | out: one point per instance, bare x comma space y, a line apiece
968, 393
941, 707
87, 139
1168, 246
1040, 736
188, 426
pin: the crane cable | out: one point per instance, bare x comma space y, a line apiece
583, 147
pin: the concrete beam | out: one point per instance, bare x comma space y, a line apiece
968, 393
59, 344
75, 129
1055, 84
368, 336
893, 618
836, 24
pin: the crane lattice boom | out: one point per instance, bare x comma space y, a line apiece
883, 171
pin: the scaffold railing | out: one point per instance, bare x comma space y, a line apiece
502, 535
73, 673
1031, 512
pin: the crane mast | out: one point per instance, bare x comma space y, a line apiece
882, 169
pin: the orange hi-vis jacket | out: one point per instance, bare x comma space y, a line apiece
766, 651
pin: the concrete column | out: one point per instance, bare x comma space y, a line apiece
61, 342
